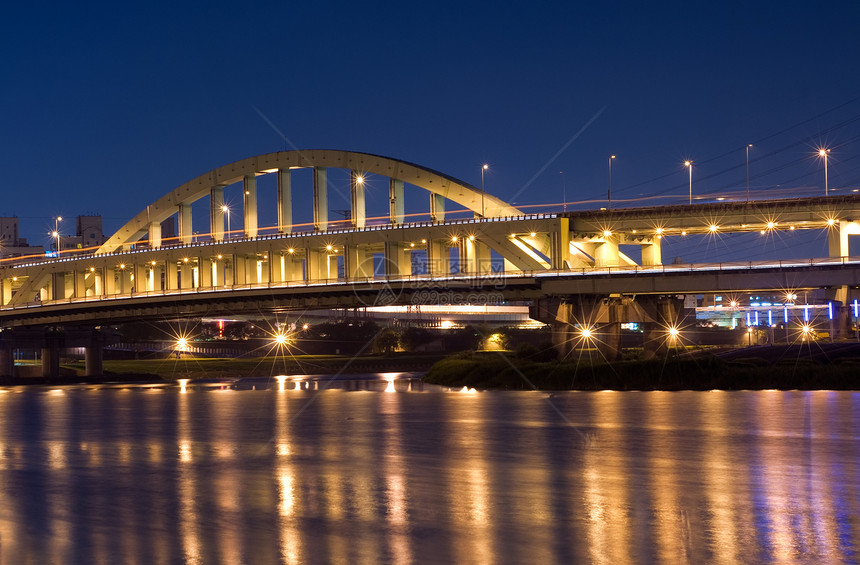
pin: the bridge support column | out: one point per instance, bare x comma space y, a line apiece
171, 280
186, 278
356, 194
7, 290
216, 213
395, 201
80, 290
438, 257
205, 271
293, 265
358, 263
560, 251
664, 312
837, 237
320, 199
141, 280
609, 341
397, 259
124, 283
285, 201
94, 355
154, 235
51, 354
606, 253
652, 253
275, 267
437, 207
249, 207
474, 256
185, 230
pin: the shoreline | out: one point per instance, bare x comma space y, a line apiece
786, 367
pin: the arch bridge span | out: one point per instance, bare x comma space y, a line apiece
579, 242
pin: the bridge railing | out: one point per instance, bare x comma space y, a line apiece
482, 280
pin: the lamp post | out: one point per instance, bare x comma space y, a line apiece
56, 232
484, 167
824, 153
689, 165
226, 210
609, 190
748, 170
563, 193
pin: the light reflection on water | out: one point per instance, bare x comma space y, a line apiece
341, 471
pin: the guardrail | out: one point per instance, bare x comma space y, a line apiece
479, 279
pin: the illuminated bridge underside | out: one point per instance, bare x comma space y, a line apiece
275, 298
561, 253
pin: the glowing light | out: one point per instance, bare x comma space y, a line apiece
328, 247
281, 339
733, 303
771, 225
806, 328
607, 233
182, 383
219, 256
713, 228
454, 238
291, 250
687, 163
532, 234
423, 241
122, 265
830, 310
281, 382
411, 245
822, 152
856, 311
185, 260
468, 390
305, 326
485, 167
359, 179
471, 238
791, 228
831, 221
674, 332
683, 233
446, 324
182, 344
92, 269
586, 333
54, 234
659, 231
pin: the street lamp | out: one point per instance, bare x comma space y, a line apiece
689, 165
824, 153
56, 232
484, 167
609, 191
748, 170
563, 193
226, 210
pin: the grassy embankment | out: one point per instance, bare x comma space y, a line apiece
232, 368
706, 372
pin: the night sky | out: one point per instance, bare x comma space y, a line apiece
105, 108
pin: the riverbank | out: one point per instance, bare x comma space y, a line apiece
227, 369
828, 366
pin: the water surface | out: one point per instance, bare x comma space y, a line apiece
300, 471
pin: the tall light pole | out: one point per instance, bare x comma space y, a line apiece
563, 193
689, 165
823, 153
484, 167
748, 171
56, 232
226, 210
609, 190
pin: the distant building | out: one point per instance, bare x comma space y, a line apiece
88, 235
11, 245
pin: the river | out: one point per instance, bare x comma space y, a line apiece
322, 471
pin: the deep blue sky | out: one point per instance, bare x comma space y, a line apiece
105, 108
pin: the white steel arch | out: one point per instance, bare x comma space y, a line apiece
211, 184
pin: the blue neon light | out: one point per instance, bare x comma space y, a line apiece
829, 310
785, 313
770, 317
748, 319
806, 313
856, 314
756, 317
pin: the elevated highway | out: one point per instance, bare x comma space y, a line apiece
496, 254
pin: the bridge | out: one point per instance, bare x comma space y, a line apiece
558, 262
